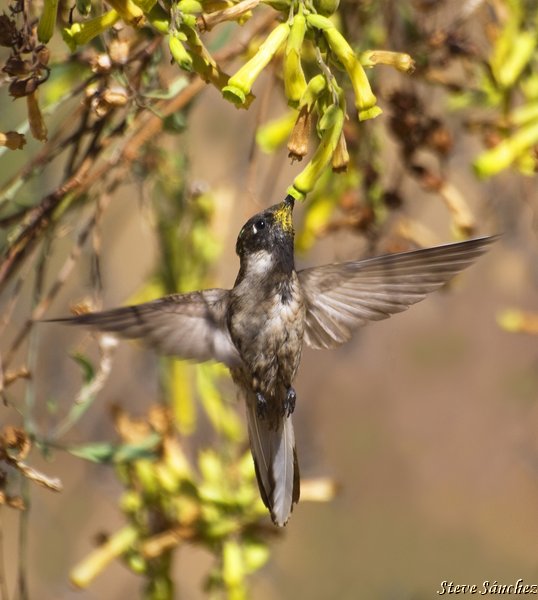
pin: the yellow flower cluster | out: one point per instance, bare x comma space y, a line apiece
321, 94
307, 27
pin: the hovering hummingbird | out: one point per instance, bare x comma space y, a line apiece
259, 327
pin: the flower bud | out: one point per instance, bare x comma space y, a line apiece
240, 84
294, 79
313, 90
45, 28
189, 6
398, 60
326, 7
160, 19
84, 7
179, 52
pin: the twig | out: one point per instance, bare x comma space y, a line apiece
206, 21
3, 583
60, 280
51, 483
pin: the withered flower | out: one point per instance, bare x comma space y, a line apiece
300, 136
340, 159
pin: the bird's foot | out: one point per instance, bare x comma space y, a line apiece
261, 405
288, 406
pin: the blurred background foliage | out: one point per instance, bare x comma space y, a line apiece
125, 175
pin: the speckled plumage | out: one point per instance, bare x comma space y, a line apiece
258, 328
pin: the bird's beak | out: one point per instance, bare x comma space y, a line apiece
289, 201
284, 213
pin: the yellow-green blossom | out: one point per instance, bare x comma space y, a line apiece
365, 101
504, 154
294, 79
240, 84
80, 34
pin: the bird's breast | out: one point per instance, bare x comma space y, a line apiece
267, 327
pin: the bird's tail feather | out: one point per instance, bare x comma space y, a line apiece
275, 461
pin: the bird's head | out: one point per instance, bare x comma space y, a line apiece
266, 239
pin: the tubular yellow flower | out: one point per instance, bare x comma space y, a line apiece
128, 11
84, 573
365, 101
240, 84
294, 79
80, 34
313, 90
398, 60
504, 154
45, 29
522, 49
179, 52
273, 134
331, 125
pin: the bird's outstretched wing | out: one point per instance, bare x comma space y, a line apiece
341, 297
189, 325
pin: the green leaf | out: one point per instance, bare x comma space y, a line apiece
106, 453
88, 370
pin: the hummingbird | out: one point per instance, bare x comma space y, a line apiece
259, 327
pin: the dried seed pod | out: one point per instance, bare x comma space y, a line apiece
15, 65
35, 118
23, 87
12, 140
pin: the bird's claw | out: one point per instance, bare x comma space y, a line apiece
288, 406
261, 405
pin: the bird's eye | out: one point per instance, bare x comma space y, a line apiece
259, 224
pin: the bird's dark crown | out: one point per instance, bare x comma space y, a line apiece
270, 230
